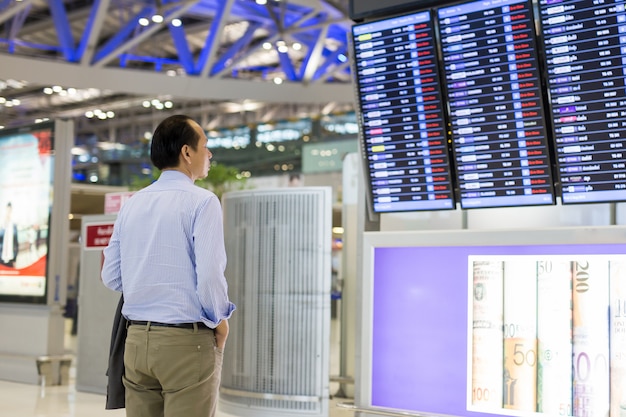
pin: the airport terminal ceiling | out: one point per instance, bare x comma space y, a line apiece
226, 62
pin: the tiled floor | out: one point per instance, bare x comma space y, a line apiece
24, 400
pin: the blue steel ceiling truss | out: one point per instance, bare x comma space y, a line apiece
200, 38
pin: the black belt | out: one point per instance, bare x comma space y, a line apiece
156, 323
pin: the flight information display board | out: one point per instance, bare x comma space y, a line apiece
585, 47
401, 114
495, 104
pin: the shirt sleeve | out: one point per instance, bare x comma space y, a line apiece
111, 273
210, 255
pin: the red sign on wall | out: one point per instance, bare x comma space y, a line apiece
113, 202
97, 236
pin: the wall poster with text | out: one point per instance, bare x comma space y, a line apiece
26, 195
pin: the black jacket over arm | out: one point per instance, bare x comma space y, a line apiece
115, 388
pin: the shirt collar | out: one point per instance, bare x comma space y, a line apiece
173, 175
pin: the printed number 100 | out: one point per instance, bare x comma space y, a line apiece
480, 394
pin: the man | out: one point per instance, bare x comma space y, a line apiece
9, 245
167, 256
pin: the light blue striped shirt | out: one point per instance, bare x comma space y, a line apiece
167, 254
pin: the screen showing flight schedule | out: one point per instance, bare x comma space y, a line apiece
401, 114
495, 104
585, 47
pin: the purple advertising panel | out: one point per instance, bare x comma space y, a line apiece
489, 330
26, 184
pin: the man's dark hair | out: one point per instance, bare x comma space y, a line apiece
168, 139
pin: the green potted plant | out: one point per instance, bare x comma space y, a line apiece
221, 179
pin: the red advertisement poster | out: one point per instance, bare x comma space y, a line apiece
26, 175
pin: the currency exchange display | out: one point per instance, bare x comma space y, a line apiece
26, 178
585, 45
495, 101
517, 330
527, 96
403, 124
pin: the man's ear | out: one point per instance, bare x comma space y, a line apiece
184, 151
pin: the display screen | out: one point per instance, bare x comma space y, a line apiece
359, 9
499, 330
495, 104
585, 47
26, 177
402, 114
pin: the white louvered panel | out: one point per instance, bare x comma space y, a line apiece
277, 357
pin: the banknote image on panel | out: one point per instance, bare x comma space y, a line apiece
585, 47
495, 104
401, 115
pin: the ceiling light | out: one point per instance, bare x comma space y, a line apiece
296, 46
3, 100
267, 45
280, 43
71, 91
89, 114
110, 114
48, 90
144, 22
57, 88
177, 22
283, 49
278, 80
15, 83
261, 2
168, 104
1, 127
157, 18
146, 104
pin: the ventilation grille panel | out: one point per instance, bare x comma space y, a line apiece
278, 244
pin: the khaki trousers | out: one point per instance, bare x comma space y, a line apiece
171, 372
